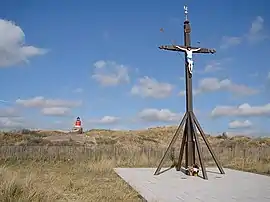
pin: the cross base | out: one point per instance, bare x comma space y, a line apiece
190, 140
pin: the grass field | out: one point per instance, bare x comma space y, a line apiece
33, 168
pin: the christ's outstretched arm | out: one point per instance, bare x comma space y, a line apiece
181, 48
206, 50
196, 49
172, 48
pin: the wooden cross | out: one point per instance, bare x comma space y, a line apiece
189, 122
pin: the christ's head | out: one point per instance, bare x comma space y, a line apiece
188, 48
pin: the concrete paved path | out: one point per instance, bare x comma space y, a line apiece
172, 186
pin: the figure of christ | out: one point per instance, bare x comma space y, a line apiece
189, 52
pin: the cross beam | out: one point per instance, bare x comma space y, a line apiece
189, 122
174, 48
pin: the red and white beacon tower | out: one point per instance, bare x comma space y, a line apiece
78, 123
78, 126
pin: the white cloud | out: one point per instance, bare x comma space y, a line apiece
240, 124
12, 45
256, 26
229, 41
214, 84
78, 90
50, 107
10, 118
243, 110
255, 34
105, 120
9, 112
41, 102
213, 66
155, 115
183, 92
149, 87
4, 101
56, 111
109, 73
11, 122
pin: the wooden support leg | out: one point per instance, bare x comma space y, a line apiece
197, 143
208, 144
190, 144
181, 153
171, 144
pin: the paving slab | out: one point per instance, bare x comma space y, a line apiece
172, 185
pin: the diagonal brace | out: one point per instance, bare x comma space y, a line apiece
208, 144
198, 147
171, 143
181, 153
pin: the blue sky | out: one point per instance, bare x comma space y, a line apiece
99, 60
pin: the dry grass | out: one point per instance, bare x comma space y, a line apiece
63, 181
38, 169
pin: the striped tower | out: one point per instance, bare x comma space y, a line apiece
78, 123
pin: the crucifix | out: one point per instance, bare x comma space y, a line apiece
189, 122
